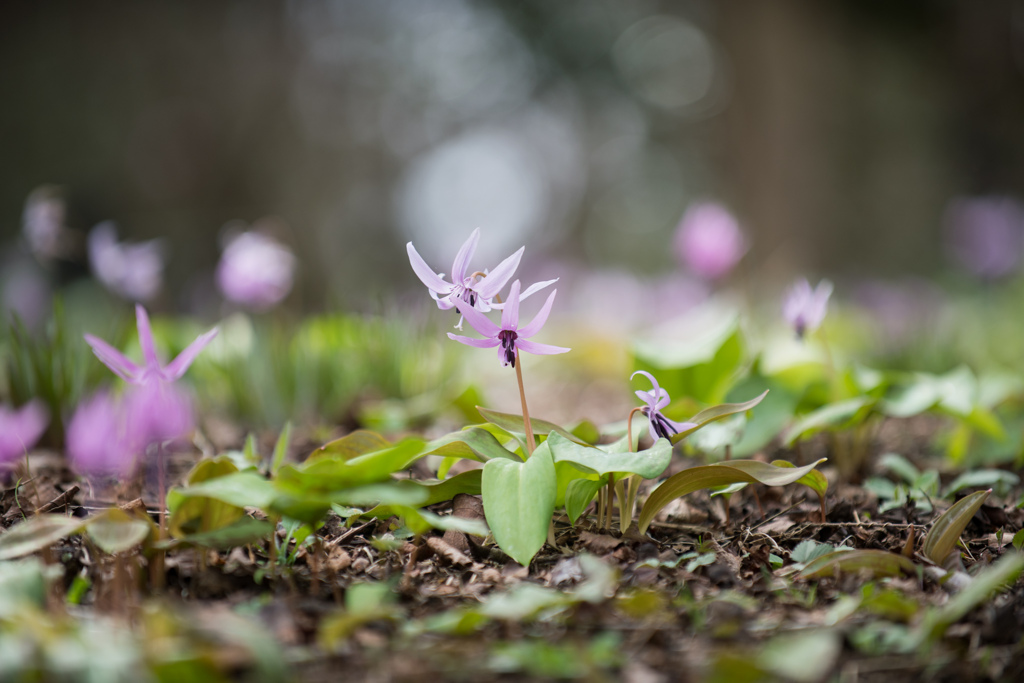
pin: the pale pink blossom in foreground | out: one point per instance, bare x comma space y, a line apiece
509, 335
709, 240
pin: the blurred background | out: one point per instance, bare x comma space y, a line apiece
839, 134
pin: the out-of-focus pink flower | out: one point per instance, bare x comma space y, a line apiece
43, 223
255, 271
709, 240
158, 411
26, 292
132, 271
20, 429
805, 308
509, 335
99, 439
985, 235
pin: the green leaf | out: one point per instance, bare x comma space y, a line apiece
519, 499
945, 532
709, 415
829, 416
903, 468
808, 550
579, 494
116, 531
472, 443
241, 532
976, 478
513, 424
430, 493
240, 489
359, 442
281, 447
768, 421
201, 513
875, 562
420, 521
814, 480
720, 474
36, 533
612, 458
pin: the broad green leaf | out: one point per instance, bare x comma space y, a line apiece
420, 521
380, 464
945, 532
240, 489
976, 478
430, 493
814, 480
514, 424
116, 531
709, 415
565, 474
828, 416
241, 532
359, 442
519, 499
770, 418
473, 443
202, 513
329, 474
579, 494
876, 562
720, 474
36, 533
896, 463
281, 447
647, 463
809, 550
728, 490
587, 431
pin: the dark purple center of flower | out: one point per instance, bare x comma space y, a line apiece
508, 344
662, 427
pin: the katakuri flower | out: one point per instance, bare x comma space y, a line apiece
709, 240
473, 289
256, 271
152, 370
656, 400
986, 235
509, 336
132, 271
100, 439
20, 429
804, 308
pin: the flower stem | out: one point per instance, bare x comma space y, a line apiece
629, 428
526, 411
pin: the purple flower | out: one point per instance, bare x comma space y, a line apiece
709, 240
152, 370
98, 439
43, 223
158, 411
509, 336
804, 308
986, 235
656, 400
132, 271
256, 271
20, 429
471, 289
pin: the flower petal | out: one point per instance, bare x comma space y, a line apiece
146, 338
497, 278
510, 313
480, 322
462, 258
539, 319
177, 367
478, 343
538, 348
114, 359
536, 287
656, 391
424, 272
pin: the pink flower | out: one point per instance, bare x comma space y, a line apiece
805, 308
657, 399
99, 442
132, 271
709, 240
509, 336
256, 271
20, 429
986, 235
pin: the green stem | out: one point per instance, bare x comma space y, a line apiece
526, 411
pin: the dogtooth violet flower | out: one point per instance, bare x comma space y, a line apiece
20, 429
256, 271
656, 400
509, 336
804, 308
709, 240
132, 271
101, 441
469, 288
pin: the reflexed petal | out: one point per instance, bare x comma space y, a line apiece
539, 319
657, 390
536, 287
510, 313
497, 278
538, 348
146, 338
177, 367
114, 359
480, 322
424, 272
462, 258
478, 343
